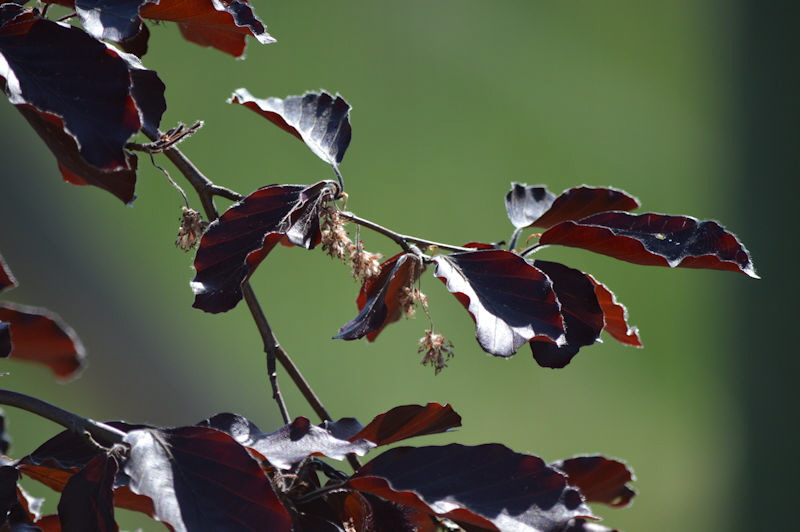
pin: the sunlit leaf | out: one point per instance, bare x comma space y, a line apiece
236, 243
655, 240
510, 300
408, 421
320, 120
487, 486
6, 277
599, 479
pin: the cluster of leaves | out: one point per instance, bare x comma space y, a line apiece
224, 473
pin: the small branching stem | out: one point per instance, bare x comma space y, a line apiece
530, 249
401, 240
103, 434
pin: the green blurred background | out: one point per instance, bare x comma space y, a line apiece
691, 107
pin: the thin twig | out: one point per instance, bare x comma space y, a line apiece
400, 239
102, 433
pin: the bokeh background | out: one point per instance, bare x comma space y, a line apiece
691, 107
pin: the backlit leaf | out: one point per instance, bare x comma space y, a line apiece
202, 479
408, 421
6, 277
382, 299
38, 335
87, 501
583, 316
615, 315
236, 243
599, 479
655, 240
320, 120
510, 300
487, 486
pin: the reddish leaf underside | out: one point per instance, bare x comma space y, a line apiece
86, 125
290, 444
87, 501
599, 479
202, 479
408, 421
220, 24
579, 202
655, 240
615, 316
510, 301
487, 486
38, 335
320, 120
583, 316
382, 299
236, 243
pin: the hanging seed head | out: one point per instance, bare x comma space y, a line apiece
191, 229
335, 240
366, 265
436, 349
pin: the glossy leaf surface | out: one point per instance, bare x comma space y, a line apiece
655, 240
536, 206
38, 335
511, 301
85, 125
487, 486
600, 479
320, 120
380, 300
202, 479
236, 243
583, 316
408, 421
290, 444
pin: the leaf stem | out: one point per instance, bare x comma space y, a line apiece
102, 433
400, 239
530, 249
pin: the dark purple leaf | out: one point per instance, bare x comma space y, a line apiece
582, 525
87, 502
599, 479
382, 299
408, 421
38, 335
8, 490
343, 429
202, 479
487, 486
236, 243
655, 240
525, 204
290, 444
220, 24
320, 120
86, 125
583, 316
5, 439
511, 301
615, 316
5, 339
138, 44
6, 277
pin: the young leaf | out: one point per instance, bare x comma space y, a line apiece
236, 243
536, 206
487, 486
409, 421
511, 301
220, 24
6, 277
382, 299
599, 479
289, 445
583, 316
320, 120
87, 502
46, 69
655, 240
38, 335
615, 315
201, 479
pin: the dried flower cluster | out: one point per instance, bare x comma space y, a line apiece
336, 243
191, 229
436, 349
